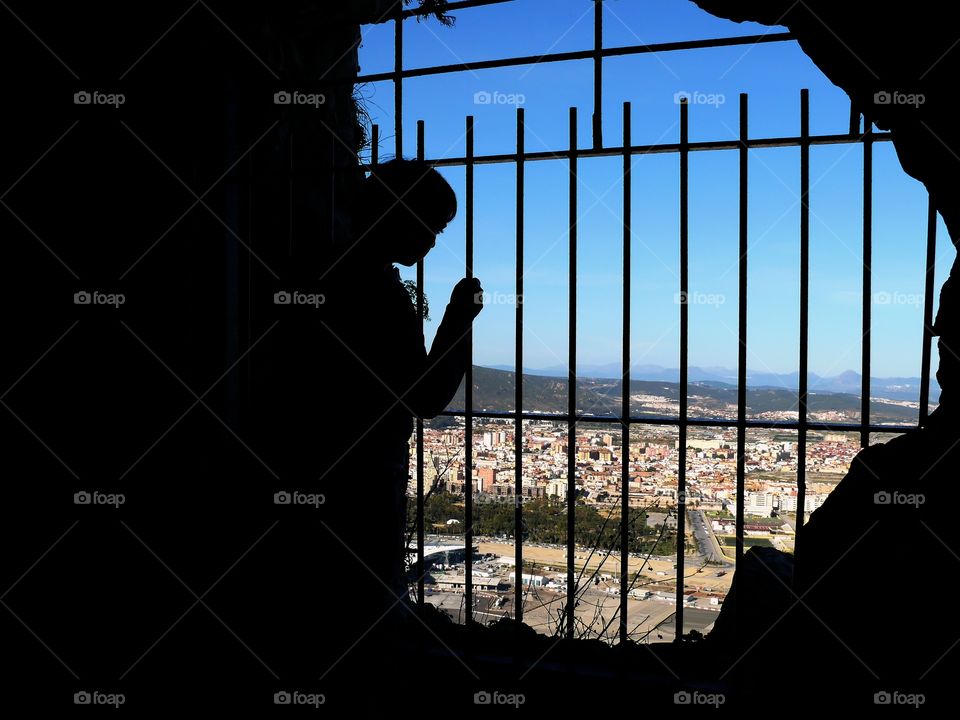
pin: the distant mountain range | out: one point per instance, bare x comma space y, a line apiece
895, 388
495, 390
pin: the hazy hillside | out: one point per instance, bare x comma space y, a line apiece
495, 390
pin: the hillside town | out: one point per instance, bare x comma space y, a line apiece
770, 507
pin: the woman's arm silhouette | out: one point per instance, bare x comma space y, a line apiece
442, 369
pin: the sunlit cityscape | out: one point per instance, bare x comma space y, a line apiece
770, 514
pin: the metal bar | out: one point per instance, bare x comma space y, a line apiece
928, 311
572, 380
867, 277
684, 353
518, 381
374, 144
742, 331
690, 422
397, 77
804, 309
616, 151
420, 493
468, 392
580, 55
625, 382
598, 73
453, 7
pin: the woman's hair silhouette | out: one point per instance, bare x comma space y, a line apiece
403, 194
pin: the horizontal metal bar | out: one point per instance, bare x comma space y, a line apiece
775, 142
577, 55
692, 422
452, 7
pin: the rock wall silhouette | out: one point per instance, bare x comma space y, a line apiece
879, 54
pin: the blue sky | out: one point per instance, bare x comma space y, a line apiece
772, 74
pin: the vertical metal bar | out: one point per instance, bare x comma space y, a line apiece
742, 332
928, 311
374, 144
597, 74
684, 343
398, 152
518, 382
468, 390
867, 278
625, 383
398, 85
804, 308
572, 379
420, 494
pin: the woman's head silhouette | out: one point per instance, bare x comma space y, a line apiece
401, 208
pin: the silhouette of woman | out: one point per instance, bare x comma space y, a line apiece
401, 208
384, 376
344, 377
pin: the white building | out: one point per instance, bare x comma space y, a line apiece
788, 503
557, 487
535, 580
758, 503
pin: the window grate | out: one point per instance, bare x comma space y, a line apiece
627, 150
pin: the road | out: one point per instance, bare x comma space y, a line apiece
707, 542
